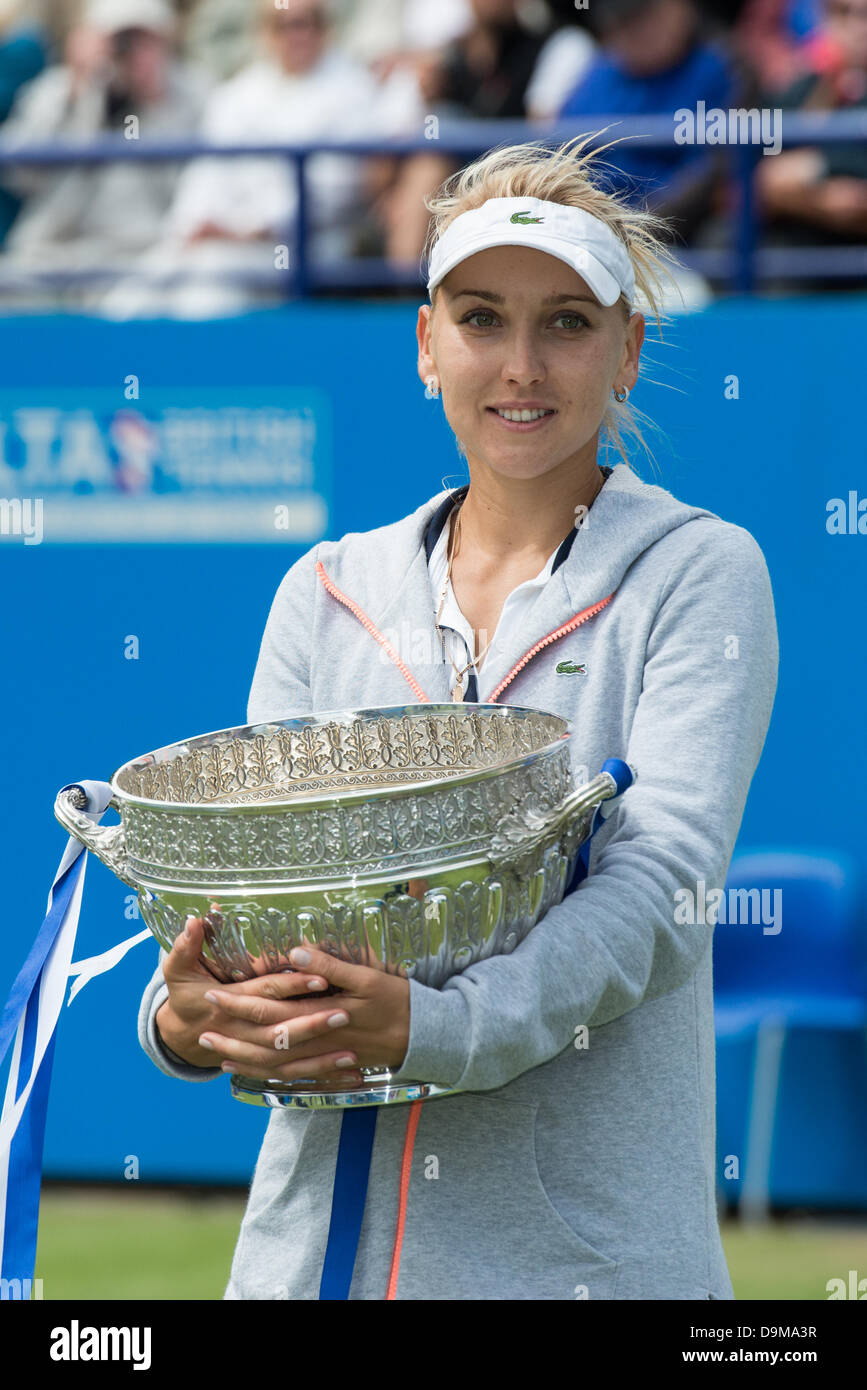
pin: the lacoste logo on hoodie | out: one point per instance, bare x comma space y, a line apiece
570, 668
523, 218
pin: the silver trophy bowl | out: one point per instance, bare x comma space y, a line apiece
416, 839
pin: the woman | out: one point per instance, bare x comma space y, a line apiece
579, 1160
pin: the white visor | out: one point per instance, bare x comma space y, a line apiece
581, 240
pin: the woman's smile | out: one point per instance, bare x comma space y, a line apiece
521, 421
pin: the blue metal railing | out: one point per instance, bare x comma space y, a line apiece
745, 263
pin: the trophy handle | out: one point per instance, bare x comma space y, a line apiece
107, 842
524, 830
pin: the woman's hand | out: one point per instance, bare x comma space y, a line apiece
187, 1012
278, 1036
270, 1027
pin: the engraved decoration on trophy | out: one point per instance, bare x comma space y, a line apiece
416, 839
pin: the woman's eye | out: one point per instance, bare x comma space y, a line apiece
485, 313
577, 319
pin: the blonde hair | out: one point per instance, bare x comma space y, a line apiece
567, 174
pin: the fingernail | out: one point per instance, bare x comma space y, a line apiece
212, 997
299, 956
316, 984
345, 1062
338, 1020
206, 1042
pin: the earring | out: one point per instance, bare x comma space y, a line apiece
622, 394
432, 389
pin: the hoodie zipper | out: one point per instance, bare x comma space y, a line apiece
574, 622
373, 630
371, 627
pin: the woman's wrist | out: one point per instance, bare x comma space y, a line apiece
172, 1034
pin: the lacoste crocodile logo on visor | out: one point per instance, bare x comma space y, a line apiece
570, 668
522, 218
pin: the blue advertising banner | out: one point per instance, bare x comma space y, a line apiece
203, 464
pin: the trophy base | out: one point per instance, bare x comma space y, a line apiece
376, 1089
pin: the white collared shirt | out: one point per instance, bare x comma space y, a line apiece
456, 631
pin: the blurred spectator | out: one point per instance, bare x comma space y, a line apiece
770, 36
416, 34
486, 72
231, 216
564, 59
23, 53
818, 195
118, 65
656, 58
222, 34
483, 74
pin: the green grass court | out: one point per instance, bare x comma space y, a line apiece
154, 1245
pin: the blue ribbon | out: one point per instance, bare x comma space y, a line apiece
623, 777
27, 979
351, 1175
24, 1178
24, 1174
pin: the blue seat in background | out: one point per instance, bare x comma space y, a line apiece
810, 975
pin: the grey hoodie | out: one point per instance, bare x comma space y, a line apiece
564, 1170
